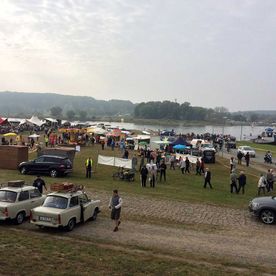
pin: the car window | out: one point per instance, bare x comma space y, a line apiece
83, 198
35, 193
40, 159
48, 159
7, 196
74, 201
24, 195
56, 202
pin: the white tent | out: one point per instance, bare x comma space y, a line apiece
34, 121
51, 120
96, 130
34, 135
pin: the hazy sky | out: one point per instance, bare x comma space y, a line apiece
207, 52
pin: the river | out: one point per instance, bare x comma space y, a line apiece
240, 132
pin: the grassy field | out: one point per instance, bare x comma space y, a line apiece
262, 148
32, 252
178, 187
52, 255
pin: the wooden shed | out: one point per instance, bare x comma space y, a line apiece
12, 156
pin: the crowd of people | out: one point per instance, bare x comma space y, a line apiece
237, 183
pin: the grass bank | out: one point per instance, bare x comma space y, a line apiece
262, 148
178, 187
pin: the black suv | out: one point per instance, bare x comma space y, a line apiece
47, 164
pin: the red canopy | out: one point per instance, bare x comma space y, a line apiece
3, 121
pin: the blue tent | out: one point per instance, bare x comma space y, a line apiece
181, 141
180, 147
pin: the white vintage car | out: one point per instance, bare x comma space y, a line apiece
16, 202
65, 209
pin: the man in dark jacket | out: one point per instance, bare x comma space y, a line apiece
163, 168
39, 183
239, 156
187, 165
269, 180
247, 158
144, 173
207, 178
242, 182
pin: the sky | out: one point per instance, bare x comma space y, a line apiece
206, 52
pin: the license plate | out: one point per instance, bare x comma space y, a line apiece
45, 218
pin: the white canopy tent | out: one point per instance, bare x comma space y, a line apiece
33, 121
96, 130
51, 120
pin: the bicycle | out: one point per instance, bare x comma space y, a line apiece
119, 174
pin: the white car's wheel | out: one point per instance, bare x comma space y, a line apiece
71, 225
20, 218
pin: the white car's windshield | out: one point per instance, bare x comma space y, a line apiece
56, 202
7, 196
206, 145
247, 148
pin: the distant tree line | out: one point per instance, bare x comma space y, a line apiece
22, 105
176, 111
173, 110
14, 104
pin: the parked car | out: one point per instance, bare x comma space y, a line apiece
47, 164
245, 149
16, 202
264, 208
65, 209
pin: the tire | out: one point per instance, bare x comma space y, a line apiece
71, 225
23, 170
267, 216
95, 214
20, 218
53, 173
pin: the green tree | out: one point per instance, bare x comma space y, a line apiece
82, 115
56, 111
70, 114
221, 109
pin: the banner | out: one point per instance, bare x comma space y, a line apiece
125, 163
191, 158
106, 160
114, 161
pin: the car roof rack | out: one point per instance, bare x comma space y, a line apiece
13, 184
66, 187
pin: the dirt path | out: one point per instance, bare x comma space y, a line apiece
181, 212
204, 231
241, 247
